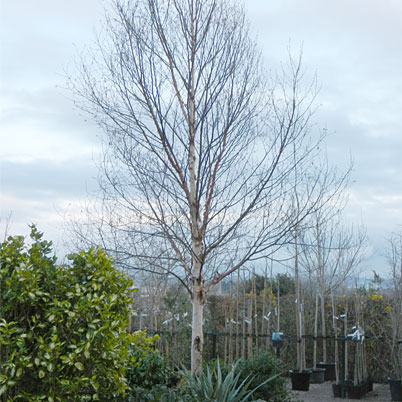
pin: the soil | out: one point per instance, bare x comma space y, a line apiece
323, 392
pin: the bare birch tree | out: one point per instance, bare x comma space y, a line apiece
199, 144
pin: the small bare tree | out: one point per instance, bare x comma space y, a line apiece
331, 254
199, 144
304, 249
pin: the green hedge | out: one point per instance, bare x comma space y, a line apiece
62, 327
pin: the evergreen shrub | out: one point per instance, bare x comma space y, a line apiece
62, 327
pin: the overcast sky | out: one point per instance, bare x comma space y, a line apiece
47, 148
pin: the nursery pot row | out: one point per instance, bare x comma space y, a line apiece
353, 391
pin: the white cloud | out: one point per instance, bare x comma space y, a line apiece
41, 124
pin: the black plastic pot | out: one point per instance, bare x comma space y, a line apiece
330, 374
337, 389
317, 376
356, 391
396, 389
364, 387
370, 384
300, 381
367, 386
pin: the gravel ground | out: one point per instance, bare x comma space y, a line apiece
323, 392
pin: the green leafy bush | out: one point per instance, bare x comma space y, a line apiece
261, 366
148, 375
62, 327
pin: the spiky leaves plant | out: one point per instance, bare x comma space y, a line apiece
211, 385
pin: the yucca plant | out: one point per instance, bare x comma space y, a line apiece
210, 385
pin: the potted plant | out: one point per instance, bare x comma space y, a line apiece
301, 376
395, 315
329, 367
359, 386
317, 374
341, 386
325, 364
337, 386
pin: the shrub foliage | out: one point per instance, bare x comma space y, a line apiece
261, 366
148, 375
62, 327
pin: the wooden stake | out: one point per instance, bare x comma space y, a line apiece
237, 315
255, 316
230, 321
315, 332
243, 343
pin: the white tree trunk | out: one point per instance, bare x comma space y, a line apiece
197, 337
299, 334
197, 340
323, 329
315, 332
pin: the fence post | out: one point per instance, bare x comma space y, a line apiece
214, 345
343, 393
